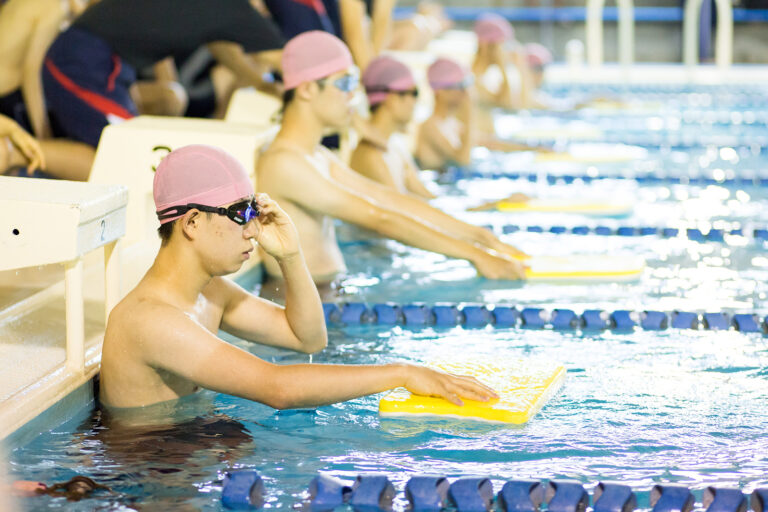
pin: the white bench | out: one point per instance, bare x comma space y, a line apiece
47, 224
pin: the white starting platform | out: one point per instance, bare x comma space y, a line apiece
47, 225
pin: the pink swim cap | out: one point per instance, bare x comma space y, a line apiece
447, 74
492, 28
386, 74
537, 55
313, 55
199, 174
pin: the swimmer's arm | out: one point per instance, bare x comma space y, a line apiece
446, 149
181, 346
369, 162
45, 32
352, 13
233, 57
299, 326
381, 24
306, 187
420, 210
413, 183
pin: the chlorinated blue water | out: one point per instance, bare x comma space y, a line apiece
681, 406
640, 408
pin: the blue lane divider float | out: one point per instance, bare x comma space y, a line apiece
427, 493
432, 493
609, 497
326, 493
371, 493
695, 234
474, 316
666, 498
455, 174
242, 490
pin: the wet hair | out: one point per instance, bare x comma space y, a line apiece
74, 489
165, 231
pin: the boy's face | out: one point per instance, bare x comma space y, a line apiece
332, 101
450, 98
401, 105
223, 244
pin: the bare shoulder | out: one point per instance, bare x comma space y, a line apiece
138, 314
277, 161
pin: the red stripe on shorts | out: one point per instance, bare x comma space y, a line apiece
104, 105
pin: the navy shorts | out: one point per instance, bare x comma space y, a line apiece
12, 105
86, 86
297, 16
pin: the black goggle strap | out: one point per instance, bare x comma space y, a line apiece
413, 92
175, 211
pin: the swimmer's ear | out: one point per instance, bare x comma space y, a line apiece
189, 222
306, 90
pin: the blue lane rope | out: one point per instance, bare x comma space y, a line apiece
697, 235
578, 14
504, 316
374, 492
455, 174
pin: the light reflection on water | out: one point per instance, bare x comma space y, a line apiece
639, 408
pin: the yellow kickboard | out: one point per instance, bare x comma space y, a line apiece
523, 389
584, 267
567, 206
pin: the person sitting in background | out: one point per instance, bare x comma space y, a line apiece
392, 93
160, 342
447, 137
494, 66
27, 28
90, 68
315, 186
537, 57
415, 32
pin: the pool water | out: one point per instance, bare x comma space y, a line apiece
680, 406
639, 408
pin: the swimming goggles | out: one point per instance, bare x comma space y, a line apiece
463, 84
240, 213
407, 92
345, 83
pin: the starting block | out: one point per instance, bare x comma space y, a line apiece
249, 106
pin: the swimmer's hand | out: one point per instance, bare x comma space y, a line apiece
26, 143
499, 266
277, 235
424, 381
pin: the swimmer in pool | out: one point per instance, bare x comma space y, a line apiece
160, 342
315, 186
447, 137
392, 93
